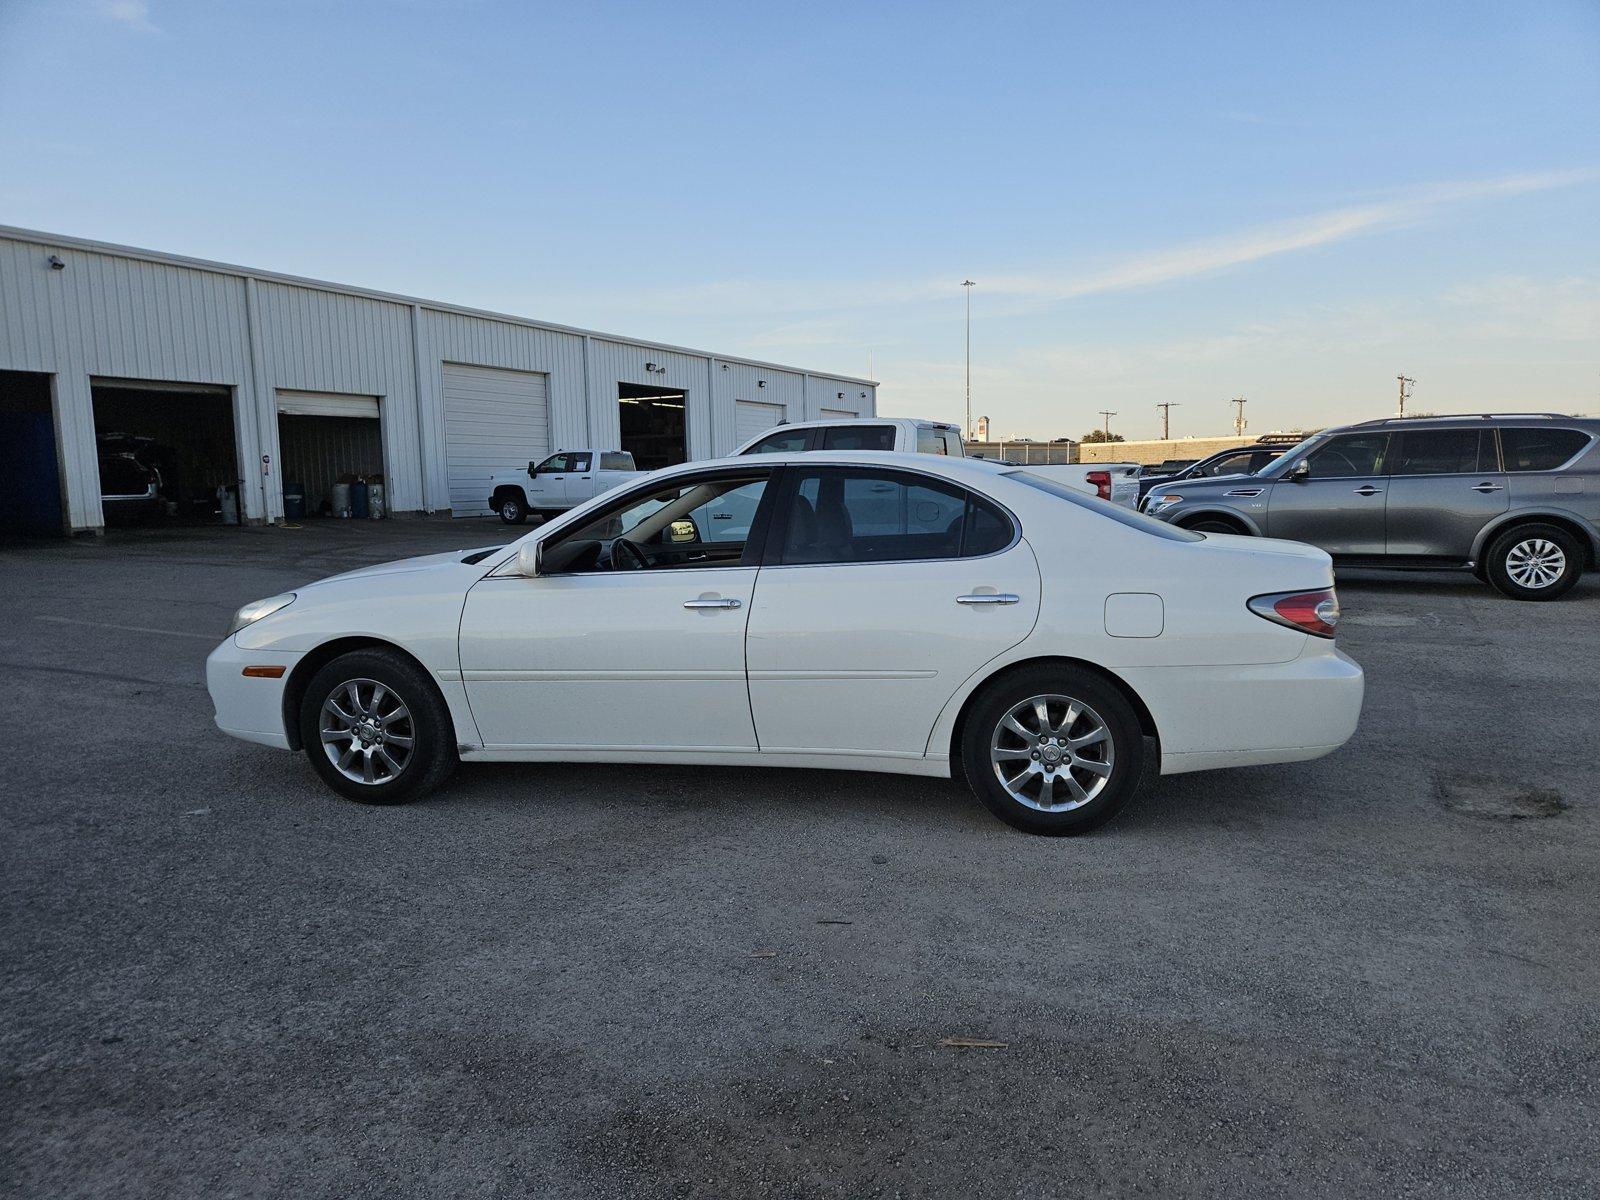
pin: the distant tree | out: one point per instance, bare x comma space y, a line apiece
1099, 435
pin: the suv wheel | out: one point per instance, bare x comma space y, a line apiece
1215, 525
1052, 750
1534, 562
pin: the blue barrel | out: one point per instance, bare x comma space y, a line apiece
359, 507
294, 500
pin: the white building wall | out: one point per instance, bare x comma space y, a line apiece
121, 313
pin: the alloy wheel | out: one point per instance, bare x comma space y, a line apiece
1535, 563
367, 731
1052, 753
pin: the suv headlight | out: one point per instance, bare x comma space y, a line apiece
1162, 503
256, 609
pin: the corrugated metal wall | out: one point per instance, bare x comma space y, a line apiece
123, 313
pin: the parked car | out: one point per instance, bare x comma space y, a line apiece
1514, 498
1116, 482
1240, 460
565, 480
130, 480
913, 614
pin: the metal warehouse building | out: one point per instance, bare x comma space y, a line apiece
237, 378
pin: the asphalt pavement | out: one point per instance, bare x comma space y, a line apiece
1373, 974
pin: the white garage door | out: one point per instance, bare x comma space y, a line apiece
326, 404
751, 417
836, 413
493, 421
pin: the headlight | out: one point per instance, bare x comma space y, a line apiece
256, 609
1162, 503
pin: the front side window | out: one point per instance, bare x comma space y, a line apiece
857, 514
1349, 457
674, 527
786, 441
556, 464
1540, 449
858, 437
1443, 452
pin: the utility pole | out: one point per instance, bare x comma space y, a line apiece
966, 430
1239, 423
1166, 415
1406, 384
1107, 416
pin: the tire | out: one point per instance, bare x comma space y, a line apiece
512, 510
1101, 708
1534, 562
423, 766
1215, 525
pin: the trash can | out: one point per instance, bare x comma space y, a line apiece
341, 499
228, 502
358, 499
375, 500
294, 500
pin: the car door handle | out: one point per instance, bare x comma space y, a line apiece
716, 602
1486, 488
1369, 490
988, 598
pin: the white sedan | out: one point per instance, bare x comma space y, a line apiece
858, 610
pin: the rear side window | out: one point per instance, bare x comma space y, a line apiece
863, 515
1234, 464
785, 441
1540, 449
858, 437
1444, 452
580, 462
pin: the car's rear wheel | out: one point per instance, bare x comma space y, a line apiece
1053, 750
376, 729
1534, 562
512, 510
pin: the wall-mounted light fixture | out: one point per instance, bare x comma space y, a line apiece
863, 395
761, 383
839, 396
57, 263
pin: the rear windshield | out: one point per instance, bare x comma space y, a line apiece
1122, 516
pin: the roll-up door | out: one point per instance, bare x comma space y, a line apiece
326, 404
494, 420
752, 417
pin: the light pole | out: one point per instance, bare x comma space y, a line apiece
966, 430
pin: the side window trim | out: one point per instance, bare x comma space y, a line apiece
1388, 457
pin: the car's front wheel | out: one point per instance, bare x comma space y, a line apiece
376, 729
512, 510
1053, 750
1534, 562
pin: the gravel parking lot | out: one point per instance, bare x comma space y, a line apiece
1373, 974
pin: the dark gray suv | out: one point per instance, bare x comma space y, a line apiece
1515, 498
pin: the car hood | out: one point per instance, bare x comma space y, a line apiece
409, 566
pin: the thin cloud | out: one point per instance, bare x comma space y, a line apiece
135, 14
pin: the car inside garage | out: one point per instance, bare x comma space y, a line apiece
654, 428
330, 450
167, 451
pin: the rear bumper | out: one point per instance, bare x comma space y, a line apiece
1248, 715
249, 707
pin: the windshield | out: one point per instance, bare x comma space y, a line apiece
1122, 516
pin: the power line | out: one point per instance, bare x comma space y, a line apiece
1406, 386
1107, 416
1166, 408
1239, 423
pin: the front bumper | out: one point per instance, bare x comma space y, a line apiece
249, 707
1239, 716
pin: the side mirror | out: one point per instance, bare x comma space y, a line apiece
528, 559
533, 468
1300, 472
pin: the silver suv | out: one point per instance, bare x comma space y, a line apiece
1515, 498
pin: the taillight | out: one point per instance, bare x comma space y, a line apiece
1102, 483
1310, 612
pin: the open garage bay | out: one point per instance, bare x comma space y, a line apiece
1371, 974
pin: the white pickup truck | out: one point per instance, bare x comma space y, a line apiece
564, 480
1116, 482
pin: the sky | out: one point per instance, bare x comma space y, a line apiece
1158, 202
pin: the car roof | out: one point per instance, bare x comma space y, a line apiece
1472, 421
859, 421
951, 467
